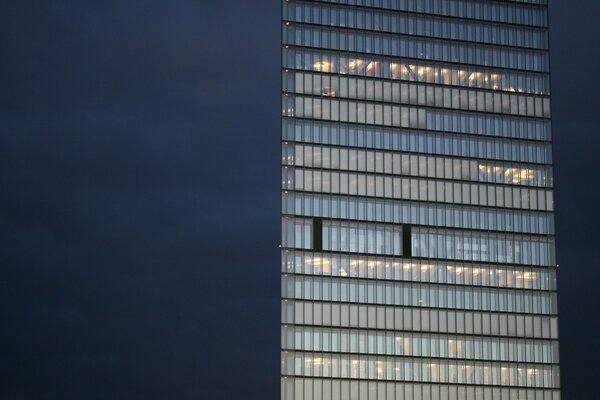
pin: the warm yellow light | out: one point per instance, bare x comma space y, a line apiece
356, 63
322, 66
318, 261
379, 367
485, 169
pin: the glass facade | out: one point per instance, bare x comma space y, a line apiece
417, 243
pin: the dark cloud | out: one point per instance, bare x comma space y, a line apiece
139, 209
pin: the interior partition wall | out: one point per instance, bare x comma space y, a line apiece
417, 250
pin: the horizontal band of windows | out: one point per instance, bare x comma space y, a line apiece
427, 242
418, 25
416, 213
369, 137
427, 259
411, 47
418, 189
430, 242
392, 343
420, 370
417, 358
460, 180
466, 245
362, 237
418, 319
438, 296
431, 308
390, 115
414, 270
402, 281
504, 12
384, 42
407, 164
298, 388
368, 65
383, 331
427, 95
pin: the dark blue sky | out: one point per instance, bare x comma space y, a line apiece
139, 198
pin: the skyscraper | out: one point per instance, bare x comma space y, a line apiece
417, 204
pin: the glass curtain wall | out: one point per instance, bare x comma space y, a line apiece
417, 251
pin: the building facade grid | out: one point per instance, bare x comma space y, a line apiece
417, 253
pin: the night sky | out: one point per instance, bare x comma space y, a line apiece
139, 198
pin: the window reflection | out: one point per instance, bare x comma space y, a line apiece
351, 290
511, 175
415, 25
424, 370
408, 188
404, 140
413, 47
481, 10
328, 157
415, 94
472, 246
397, 269
422, 71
